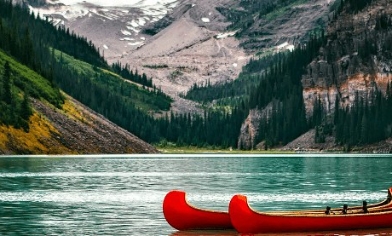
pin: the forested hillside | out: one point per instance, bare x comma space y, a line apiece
360, 119
71, 63
29, 124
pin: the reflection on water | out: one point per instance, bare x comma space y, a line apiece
115, 195
373, 232
205, 233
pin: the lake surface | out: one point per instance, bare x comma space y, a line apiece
122, 195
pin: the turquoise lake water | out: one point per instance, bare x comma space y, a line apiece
122, 195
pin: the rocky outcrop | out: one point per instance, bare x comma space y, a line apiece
250, 130
359, 84
155, 27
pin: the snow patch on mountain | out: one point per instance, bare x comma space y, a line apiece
285, 46
70, 9
115, 23
117, 3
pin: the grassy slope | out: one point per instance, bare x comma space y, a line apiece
39, 86
39, 140
139, 96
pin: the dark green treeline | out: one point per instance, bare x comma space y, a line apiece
214, 128
368, 121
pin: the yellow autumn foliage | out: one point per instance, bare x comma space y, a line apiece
41, 138
71, 110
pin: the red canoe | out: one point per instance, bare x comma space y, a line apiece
182, 216
246, 220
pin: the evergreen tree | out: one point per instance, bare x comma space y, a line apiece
24, 113
7, 84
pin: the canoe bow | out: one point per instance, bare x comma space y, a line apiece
183, 216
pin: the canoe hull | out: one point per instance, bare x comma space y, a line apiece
246, 220
182, 216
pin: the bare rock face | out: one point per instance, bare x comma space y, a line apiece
193, 48
344, 68
359, 84
292, 24
250, 130
250, 127
187, 40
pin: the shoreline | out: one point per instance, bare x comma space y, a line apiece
195, 150
209, 155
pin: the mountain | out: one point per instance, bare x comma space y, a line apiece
314, 69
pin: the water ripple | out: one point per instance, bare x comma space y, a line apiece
122, 195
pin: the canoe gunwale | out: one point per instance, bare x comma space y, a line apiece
385, 204
383, 207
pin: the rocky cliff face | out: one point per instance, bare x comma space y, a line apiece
351, 63
355, 63
250, 127
362, 84
250, 130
